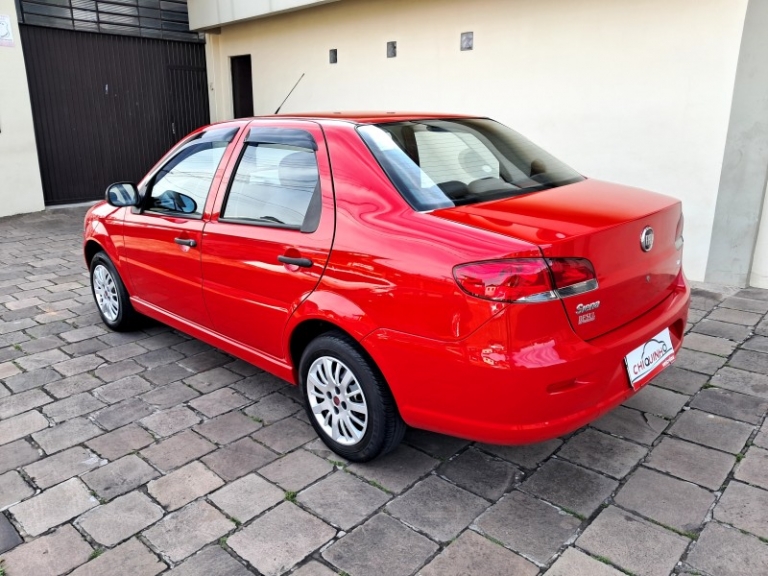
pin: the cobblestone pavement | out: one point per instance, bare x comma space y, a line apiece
150, 452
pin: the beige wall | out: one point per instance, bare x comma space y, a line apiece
759, 277
633, 91
20, 186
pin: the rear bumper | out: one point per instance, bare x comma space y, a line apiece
547, 383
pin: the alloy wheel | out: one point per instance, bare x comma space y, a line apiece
105, 290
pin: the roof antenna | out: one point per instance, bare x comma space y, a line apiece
289, 93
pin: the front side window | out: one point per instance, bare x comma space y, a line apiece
181, 186
273, 185
444, 163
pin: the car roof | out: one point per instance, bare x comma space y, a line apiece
370, 117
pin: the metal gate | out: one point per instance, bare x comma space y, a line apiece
106, 107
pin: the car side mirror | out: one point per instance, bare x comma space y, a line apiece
122, 194
175, 202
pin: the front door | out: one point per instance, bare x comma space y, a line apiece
163, 237
271, 233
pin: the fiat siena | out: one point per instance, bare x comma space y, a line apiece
430, 270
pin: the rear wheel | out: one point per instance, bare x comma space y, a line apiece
110, 295
347, 400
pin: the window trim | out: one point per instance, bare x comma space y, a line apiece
314, 207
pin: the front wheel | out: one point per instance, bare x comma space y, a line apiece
347, 400
110, 295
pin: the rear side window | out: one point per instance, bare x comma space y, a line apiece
274, 184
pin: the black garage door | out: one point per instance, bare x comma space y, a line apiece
106, 107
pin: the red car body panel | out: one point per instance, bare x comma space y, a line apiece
383, 273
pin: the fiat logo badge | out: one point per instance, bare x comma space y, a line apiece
646, 239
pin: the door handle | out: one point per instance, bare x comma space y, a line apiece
185, 242
301, 262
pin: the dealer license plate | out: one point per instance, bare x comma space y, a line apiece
646, 361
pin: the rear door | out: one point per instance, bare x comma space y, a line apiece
271, 232
162, 237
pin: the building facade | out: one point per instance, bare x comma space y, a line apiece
668, 95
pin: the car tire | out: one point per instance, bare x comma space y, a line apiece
110, 295
346, 396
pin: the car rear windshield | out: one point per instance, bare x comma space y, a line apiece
444, 163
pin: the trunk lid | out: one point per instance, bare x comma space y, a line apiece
601, 222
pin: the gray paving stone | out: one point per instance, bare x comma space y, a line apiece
742, 381
8, 370
20, 426
666, 500
603, 453
247, 497
259, 385
762, 327
177, 450
65, 435
118, 370
657, 401
120, 442
437, 508
472, 555
62, 466
228, 427
571, 487
754, 468
313, 568
9, 538
343, 500
131, 557
756, 343
285, 435
632, 543
691, 462
184, 485
124, 352
73, 385
744, 507
436, 445
169, 395
167, 374
699, 361
746, 304
296, 470
209, 562
13, 489
632, 424
750, 360
574, 562
80, 334
714, 431
163, 340
205, 361
41, 359
41, 344
205, 382
725, 551
731, 404
122, 389
122, 413
120, 519
484, 475
538, 529
709, 344
186, 531
120, 476
238, 459
192, 347
218, 402
53, 507
78, 365
528, 456
51, 555
272, 408
280, 539
735, 316
380, 547
16, 454
23, 402
30, 380
72, 407
170, 421
155, 358
396, 470
753, 294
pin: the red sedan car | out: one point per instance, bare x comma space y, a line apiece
430, 270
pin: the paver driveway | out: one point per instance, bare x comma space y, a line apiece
150, 453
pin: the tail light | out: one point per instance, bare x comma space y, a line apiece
526, 279
679, 232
